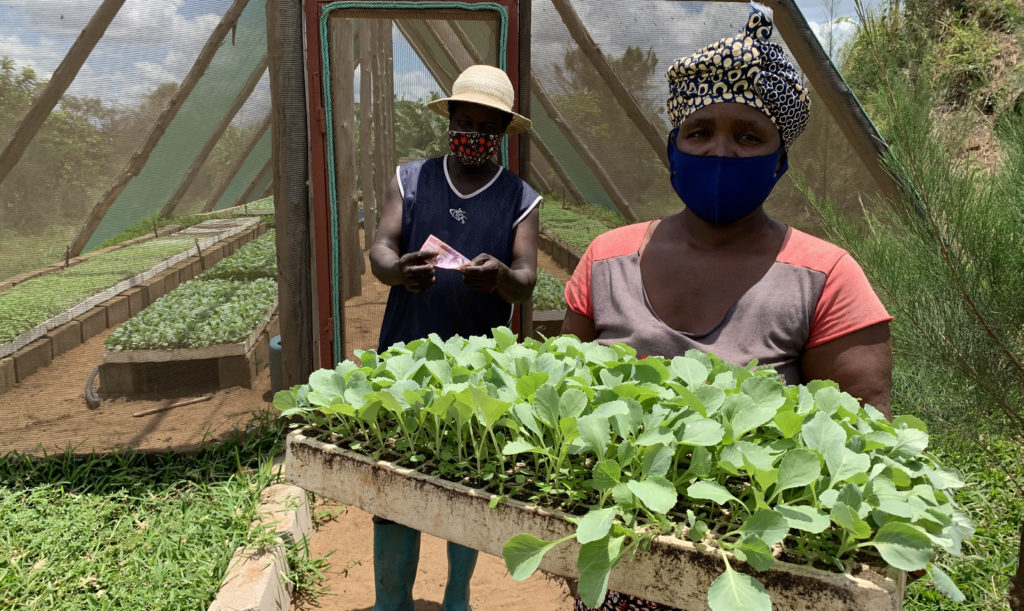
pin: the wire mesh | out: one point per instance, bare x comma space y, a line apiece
586, 144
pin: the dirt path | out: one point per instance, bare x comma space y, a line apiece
47, 412
348, 538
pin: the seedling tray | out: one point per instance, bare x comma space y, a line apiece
673, 572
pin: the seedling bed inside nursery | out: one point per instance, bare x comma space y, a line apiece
213, 331
99, 304
130, 372
46, 302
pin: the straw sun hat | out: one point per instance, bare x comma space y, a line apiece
487, 86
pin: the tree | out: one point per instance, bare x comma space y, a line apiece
598, 118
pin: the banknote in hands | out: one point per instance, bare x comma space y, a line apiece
446, 257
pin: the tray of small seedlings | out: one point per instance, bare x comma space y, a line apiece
687, 481
257, 259
200, 319
31, 308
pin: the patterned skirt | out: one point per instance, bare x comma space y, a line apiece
617, 601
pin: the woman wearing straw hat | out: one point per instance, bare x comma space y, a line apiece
488, 215
722, 276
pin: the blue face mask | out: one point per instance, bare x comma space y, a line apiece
721, 190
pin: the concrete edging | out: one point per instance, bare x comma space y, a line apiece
254, 581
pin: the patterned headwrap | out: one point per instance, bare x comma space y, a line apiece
746, 68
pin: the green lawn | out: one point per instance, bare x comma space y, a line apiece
129, 530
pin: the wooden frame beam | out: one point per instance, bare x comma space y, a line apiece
62, 78
295, 237
138, 160
224, 184
245, 197
366, 135
578, 30
343, 112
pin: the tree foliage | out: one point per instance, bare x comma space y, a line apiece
79, 149
585, 101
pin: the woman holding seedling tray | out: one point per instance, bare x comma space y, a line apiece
722, 276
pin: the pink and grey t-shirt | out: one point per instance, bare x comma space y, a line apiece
814, 293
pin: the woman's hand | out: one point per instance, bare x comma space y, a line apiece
484, 273
416, 271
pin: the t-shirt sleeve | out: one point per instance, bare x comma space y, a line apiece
847, 304
529, 200
577, 291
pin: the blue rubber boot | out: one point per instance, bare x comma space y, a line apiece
461, 562
396, 553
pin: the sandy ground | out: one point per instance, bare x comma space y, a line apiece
348, 538
47, 412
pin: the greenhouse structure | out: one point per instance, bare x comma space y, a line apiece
186, 220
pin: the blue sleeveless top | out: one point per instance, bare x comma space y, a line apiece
480, 222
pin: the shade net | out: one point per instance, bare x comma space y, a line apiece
640, 45
587, 146
102, 153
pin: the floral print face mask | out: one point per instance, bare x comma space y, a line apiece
473, 148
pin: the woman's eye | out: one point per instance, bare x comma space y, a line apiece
750, 139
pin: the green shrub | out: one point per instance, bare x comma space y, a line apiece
962, 58
549, 294
257, 259
198, 314
35, 301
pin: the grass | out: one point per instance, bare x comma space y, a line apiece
134, 531
996, 506
34, 301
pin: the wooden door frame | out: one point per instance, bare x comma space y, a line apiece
330, 328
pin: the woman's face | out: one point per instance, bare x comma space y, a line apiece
728, 129
469, 117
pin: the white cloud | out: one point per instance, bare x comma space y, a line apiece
148, 43
841, 32
43, 57
415, 85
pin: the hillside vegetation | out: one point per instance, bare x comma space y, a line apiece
943, 82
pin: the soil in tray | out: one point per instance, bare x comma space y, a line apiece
348, 538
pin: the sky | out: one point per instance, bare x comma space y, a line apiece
150, 43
